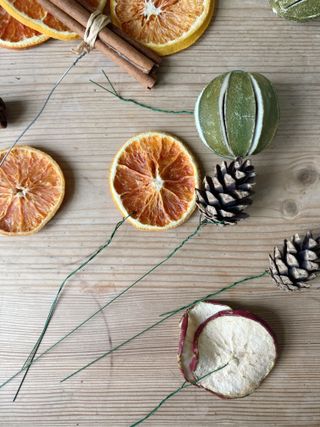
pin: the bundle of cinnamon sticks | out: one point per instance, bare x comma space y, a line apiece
137, 60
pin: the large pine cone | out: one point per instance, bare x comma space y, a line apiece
297, 263
227, 193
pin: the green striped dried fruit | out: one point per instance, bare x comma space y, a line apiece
296, 10
237, 114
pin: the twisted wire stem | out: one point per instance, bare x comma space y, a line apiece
116, 94
27, 364
32, 360
165, 316
25, 130
184, 385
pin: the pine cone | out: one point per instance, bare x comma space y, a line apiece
298, 261
227, 193
3, 117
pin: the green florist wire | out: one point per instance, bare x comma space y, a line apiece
31, 359
165, 317
116, 94
27, 364
15, 142
184, 385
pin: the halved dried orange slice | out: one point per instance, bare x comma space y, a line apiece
153, 178
31, 190
14, 35
166, 26
31, 14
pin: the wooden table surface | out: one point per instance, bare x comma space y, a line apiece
83, 127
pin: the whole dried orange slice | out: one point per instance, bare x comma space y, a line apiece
14, 35
166, 26
153, 178
31, 14
31, 190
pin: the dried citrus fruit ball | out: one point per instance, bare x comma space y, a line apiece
31, 190
153, 178
301, 10
237, 114
34, 16
164, 26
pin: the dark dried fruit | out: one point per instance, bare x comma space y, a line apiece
3, 115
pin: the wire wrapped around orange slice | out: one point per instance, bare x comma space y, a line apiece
31, 190
153, 178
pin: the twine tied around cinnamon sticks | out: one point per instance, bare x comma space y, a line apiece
137, 60
96, 22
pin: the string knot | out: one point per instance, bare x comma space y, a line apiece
96, 22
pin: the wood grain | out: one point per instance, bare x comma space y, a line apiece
83, 128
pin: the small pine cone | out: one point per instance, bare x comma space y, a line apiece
227, 193
3, 116
297, 263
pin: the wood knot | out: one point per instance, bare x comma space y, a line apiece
289, 208
307, 176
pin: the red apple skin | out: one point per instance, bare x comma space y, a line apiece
240, 313
183, 331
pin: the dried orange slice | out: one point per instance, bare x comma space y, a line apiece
14, 35
166, 26
153, 177
31, 14
31, 190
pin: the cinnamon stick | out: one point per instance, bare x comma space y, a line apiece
146, 80
145, 50
89, 6
112, 40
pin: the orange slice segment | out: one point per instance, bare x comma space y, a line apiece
31, 190
166, 26
31, 14
14, 35
153, 177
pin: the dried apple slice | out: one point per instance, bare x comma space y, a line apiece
241, 340
189, 323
